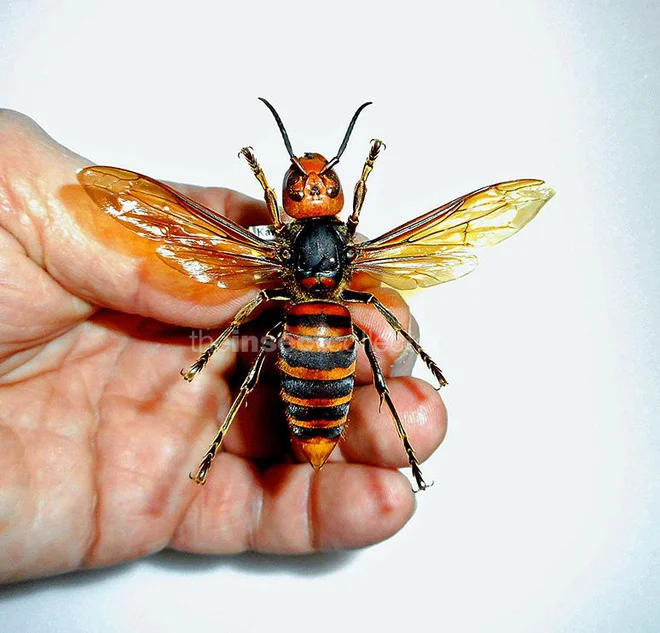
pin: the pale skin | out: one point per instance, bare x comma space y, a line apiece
98, 431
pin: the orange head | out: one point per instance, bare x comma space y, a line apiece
313, 191
311, 187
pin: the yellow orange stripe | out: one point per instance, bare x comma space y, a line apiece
318, 344
320, 331
316, 424
316, 402
319, 307
316, 374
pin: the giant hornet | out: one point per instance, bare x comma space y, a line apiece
308, 265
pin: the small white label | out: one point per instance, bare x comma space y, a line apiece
264, 231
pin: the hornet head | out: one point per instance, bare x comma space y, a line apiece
311, 188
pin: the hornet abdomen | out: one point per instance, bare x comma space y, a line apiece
317, 365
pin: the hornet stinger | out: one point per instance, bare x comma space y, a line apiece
308, 266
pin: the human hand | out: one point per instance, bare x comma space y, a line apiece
98, 431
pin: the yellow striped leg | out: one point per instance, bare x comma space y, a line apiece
360, 190
366, 297
248, 385
269, 192
241, 316
384, 393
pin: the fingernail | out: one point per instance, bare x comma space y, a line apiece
404, 364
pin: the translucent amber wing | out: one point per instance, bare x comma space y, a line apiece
187, 229
436, 247
412, 271
155, 210
209, 265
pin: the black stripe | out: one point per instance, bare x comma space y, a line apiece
305, 433
318, 320
300, 388
317, 360
305, 414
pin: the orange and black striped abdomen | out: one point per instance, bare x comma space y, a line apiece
317, 363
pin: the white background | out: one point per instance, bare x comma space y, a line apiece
545, 512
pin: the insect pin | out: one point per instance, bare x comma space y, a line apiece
307, 266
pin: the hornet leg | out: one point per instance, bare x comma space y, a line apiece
366, 297
269, 192
241, 316
248, 385
384, 393
360, 190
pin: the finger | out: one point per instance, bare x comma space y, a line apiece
87, 252
404, 363
293, 509
371, 437
233, 205
388, 346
